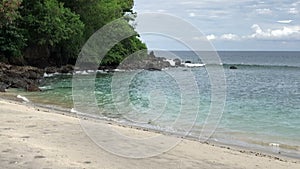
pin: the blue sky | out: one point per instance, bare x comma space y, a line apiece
232, 24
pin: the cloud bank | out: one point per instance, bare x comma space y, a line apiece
284, 33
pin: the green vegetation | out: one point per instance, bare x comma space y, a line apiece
52, 32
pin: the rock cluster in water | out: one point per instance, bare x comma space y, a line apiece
26, 77
151, 63
29, 78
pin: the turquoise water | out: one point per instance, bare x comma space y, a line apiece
262, 99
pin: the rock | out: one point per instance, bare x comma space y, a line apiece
66, 69
153, 67
18, 83
4, 67
50, 70
25, 77
31, 74
33, 88
232, 67
177, 62
188, 61
151, 55
3, 87
148, 63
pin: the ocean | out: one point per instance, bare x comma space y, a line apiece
261, 111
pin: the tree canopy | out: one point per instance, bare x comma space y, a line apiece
51, 32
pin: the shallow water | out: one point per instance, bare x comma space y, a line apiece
262, 99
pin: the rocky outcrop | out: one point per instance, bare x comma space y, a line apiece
28, 78
233, 67
25, 77
177, 62
3, 87
64, 69
151, 63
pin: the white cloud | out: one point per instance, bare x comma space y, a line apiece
293, 11
264, 11
211, 37
285, 21
296, 3
192, 14
287, 32
284, 33
230, 37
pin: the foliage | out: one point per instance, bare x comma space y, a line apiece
123, 49
61, 27
49, 23
12, 40
9, 11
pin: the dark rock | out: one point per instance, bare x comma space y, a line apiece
18, 83
3, 87
177, 62
232, 67
4, 67
151, 55
188, 61
66, 69
50, 70
31, 74
25, 77
153, 67
148, 63
32, 88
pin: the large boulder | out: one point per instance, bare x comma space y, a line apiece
32, 88
66, 69
148, 63
233, 67
25, 77
3, 87
50, 70
177, 62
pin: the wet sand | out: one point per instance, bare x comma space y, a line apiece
34, 137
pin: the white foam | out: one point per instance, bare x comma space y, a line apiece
172, 63
91, 71
45, 88
193, 64
23, 98
119, 70
274, 144
82, 72
48, 75
74, 111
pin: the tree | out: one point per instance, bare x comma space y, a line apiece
48, 24
12, 40
9, 11
97, 13
52, 32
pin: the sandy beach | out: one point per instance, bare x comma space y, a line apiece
34, 137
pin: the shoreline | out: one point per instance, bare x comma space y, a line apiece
250, 147
214, 145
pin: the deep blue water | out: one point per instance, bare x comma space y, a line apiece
262, 98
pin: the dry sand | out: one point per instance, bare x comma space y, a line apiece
32, 137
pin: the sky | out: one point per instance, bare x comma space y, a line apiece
262, 25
